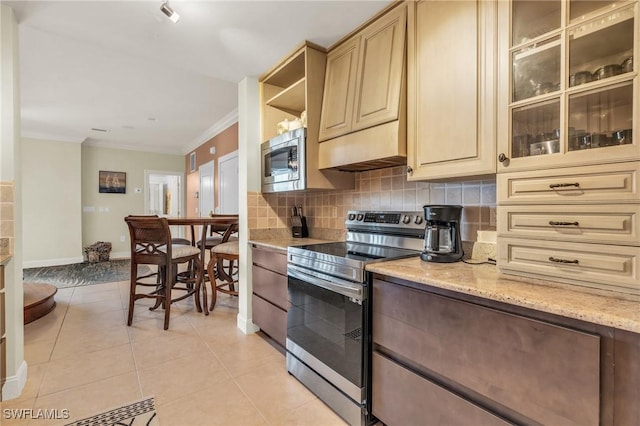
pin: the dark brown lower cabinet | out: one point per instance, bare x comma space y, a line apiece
270, 299
444, 358
420, 400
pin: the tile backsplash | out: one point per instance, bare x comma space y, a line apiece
385, 189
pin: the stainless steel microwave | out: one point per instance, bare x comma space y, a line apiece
284, 162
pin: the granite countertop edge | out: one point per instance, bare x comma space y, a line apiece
610, 309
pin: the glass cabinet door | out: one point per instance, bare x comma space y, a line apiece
573, 82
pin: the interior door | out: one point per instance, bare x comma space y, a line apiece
228, 191
164, 195
207, 191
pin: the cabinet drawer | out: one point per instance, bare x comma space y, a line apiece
608, 223
499, 356
611, 183
603, 266
270, 259
271, 319
270, 286
401, 397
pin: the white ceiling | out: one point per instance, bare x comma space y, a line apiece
123, 67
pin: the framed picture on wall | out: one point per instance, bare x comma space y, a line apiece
112, 182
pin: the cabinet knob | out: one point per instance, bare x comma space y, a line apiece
502, 158
409, 170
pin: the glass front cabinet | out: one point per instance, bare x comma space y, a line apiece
569, 85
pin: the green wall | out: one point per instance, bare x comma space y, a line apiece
103, 214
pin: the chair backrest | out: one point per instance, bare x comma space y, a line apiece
150, 239
220, 229
231, 229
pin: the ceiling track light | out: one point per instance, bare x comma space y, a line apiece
171, 14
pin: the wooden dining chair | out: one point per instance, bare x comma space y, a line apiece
223, 266
151, 244
216, 233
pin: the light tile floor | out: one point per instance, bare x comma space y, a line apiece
82, 357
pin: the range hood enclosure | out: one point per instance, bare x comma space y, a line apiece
363, 120
369, 149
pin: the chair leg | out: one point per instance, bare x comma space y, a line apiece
214, 295
198, 284
211, 270
168, 280
132, 291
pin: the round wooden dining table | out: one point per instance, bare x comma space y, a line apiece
205, 223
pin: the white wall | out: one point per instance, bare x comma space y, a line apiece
52, 207
249, 180
10, 171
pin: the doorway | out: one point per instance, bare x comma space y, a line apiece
207, 195
228, 189
163, 194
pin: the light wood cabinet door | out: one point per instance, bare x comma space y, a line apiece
451, 82
339, 88
380, 70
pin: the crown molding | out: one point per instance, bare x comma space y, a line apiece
127, 147
52, 137
213, 131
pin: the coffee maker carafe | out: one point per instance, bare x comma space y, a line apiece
442, 241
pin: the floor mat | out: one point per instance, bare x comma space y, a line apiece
135, 414
80, 274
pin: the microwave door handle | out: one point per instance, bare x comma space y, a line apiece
338, 286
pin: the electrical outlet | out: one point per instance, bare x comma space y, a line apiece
493, 216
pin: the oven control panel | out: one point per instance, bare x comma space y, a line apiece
396, 219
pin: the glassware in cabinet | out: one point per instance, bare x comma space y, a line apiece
572, 84
536, 69
536, 129
601, 48
601, 118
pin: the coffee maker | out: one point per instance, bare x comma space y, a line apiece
442, 241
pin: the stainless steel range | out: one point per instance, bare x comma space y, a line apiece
329, 322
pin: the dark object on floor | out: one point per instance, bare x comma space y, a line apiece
38, 300
79, 274
98, 252
138, 413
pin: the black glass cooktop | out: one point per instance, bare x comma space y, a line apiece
358, 251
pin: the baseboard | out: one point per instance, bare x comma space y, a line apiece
15, 384
246, 326
120, 255
51, 262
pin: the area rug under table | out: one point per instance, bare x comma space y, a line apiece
141, 413
80, 274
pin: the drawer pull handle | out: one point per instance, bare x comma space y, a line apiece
554, 223
556, 260
563, 185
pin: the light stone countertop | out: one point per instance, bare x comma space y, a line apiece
610, 309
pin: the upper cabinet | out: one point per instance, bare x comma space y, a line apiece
364, 96
339, 89
291, 87
452, 100
364, 77
292, 90
570, 92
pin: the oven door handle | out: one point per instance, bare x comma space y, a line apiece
337, 285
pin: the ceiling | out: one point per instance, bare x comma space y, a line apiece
148, 84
